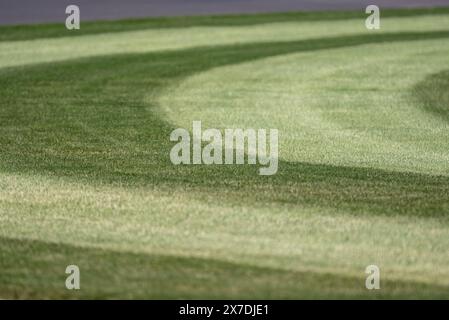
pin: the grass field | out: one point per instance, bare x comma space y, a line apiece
86, 179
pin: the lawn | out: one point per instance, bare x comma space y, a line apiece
363, 120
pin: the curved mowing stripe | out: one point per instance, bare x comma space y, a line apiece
85, 119
433, 94
346, 107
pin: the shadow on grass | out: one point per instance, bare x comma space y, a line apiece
86, 120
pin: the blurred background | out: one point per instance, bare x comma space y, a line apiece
32, 11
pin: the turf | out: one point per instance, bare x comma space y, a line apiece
363, 175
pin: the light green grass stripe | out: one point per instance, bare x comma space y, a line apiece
14, 53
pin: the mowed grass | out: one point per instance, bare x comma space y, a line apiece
363, 175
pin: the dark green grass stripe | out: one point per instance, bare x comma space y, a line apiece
433, 94
36, 269
85, 119
28, 32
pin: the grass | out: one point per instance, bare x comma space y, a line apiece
363, 177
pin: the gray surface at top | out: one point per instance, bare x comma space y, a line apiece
39, 11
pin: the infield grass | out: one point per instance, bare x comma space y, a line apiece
86, 179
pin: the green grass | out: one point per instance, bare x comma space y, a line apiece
363, 176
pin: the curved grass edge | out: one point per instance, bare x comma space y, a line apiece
433, 94
356, 189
